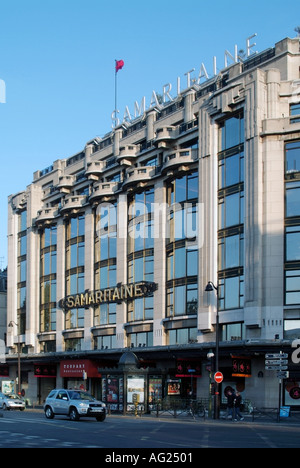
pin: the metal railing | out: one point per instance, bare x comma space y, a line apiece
179, 406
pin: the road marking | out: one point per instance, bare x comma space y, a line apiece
205, 438
267, 441
264, 438
158, 428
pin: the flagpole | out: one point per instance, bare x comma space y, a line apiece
119, 64
116, 87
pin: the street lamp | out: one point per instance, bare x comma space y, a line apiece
210, 287
210, 356
11, 325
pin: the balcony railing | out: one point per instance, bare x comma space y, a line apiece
95, 168
139, 174
65, 182
165, 135
104, 189
46, 214
179, 158
73, 202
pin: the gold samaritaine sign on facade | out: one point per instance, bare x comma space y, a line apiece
118, 294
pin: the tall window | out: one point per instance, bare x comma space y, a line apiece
182, 256
140, 252
140, 339
292, 159
75, 254
105, 260
231, 213
48, 279
182, 336
295, 111
22, 272
292, 223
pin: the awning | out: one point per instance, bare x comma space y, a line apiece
77, 368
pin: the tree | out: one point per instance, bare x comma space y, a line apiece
297, 30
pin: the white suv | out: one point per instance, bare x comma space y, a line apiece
75, 404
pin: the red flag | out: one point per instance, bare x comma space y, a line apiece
119, 65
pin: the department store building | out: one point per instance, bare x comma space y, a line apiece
110, 250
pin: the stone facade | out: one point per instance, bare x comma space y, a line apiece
220, 148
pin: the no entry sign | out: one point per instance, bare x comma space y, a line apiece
219, 377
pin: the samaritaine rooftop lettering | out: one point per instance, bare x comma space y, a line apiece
155, 101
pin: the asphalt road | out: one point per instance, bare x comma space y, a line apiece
32, 430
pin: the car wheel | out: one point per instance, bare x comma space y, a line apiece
49, 413
22, 409
74, 416
101, 418
4, 407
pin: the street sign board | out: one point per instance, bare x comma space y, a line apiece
277, 356
278, 362
283, 375
219, 377
277, 368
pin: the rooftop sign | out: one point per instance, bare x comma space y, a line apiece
157, 101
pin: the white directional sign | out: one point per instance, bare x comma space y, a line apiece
278, 362
283, 375
277, 368
277, 356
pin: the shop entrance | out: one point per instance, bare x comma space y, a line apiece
44, 388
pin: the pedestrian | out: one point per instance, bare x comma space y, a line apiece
230, 403
237, 406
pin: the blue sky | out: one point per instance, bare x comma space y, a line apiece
57, 62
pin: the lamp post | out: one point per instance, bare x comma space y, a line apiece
11, 325
210, 287
210, 356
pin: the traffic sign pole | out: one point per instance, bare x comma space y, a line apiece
278, 362
280, 397
218, 378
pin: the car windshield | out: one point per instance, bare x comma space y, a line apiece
13, 397
77, 395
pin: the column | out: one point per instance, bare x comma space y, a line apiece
160, 220
89, 275
60, 284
